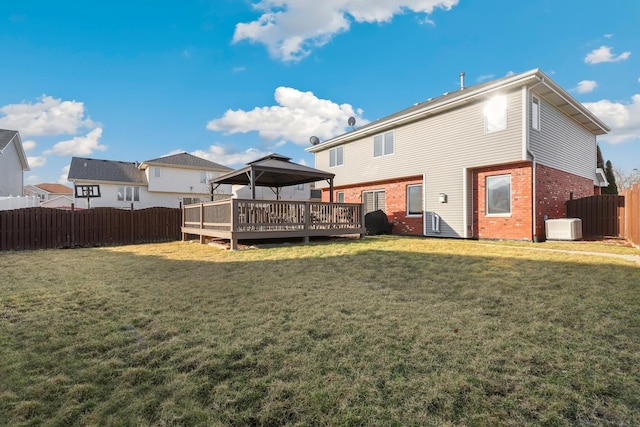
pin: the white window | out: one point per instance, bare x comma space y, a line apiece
495, 114
336, 156
414, 199
498, 189
340, 197
299, 187
373, 201
203, 177
383, 144
157, 172
128, 194
535, 113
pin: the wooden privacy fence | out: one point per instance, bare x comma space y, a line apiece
46, 228
631, 221
601, 215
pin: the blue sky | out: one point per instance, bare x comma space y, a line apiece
232, 80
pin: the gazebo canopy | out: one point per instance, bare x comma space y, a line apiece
273, 171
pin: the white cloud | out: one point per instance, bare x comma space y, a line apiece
604, 54
32, 179
79, 145
623, 119
221, 155
586, 86
36, 161
291, 28
298, 116
63, 177
28, 145
50, 116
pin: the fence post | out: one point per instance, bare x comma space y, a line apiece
132, 223
73, 225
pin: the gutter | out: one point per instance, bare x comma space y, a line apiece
466, 96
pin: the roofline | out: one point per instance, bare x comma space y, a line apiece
21, 153
464, 95
146, 164
97, 181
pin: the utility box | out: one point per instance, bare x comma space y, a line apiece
563, 229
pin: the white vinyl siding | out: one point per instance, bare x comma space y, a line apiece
563, 144
440, 147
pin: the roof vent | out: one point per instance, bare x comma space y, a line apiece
462, 80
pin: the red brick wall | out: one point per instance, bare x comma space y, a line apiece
396, 202
553, 188
518, 225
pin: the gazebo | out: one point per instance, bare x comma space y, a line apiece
274, 171
235, 219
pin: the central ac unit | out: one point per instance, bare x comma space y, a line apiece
564, 229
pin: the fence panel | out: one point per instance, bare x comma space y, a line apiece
47, 228
601, 215
632, 214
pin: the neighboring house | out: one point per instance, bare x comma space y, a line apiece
166, 181
488, 161
48, 191
13, 163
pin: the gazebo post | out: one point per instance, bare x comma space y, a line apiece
253, 184
330, 190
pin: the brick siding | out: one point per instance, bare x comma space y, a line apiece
395, 202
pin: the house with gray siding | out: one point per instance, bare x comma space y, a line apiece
494, 160
13, 163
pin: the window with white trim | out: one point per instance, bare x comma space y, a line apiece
535, 112
414, 200
495, 114
374, 200
203, 177
383, 144
128, 194
340, 197
336, 156
498, 189
157, 172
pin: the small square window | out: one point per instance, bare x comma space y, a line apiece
383, 144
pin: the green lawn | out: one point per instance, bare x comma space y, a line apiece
382, 331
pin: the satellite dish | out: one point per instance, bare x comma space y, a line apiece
314, 140
351, 121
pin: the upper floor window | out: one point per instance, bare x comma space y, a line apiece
383, 144
495, 114
498, 189
535, 113
336, 156
203, 177
157, 172
414, 199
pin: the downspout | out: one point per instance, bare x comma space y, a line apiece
526, 132
424, 204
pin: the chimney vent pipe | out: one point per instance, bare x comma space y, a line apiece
462, 80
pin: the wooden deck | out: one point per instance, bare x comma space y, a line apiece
238, 219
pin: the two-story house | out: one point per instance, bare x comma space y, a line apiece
51, 195
13, 163
166, 181
494, 160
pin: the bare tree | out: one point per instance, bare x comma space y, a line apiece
626, 179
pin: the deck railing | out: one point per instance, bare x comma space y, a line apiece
241, 215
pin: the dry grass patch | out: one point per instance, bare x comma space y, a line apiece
383, 331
